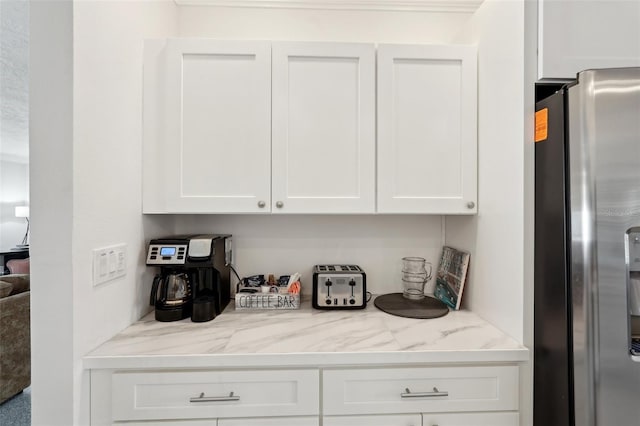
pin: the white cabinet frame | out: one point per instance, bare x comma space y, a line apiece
207, 126
427, 129
323, 140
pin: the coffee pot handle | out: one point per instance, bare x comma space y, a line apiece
154, 290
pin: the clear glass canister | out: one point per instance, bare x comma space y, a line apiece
416, 272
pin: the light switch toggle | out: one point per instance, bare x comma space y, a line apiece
109, 263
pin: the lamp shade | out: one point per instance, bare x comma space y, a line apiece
22, 211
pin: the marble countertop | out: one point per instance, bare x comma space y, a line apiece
305, 337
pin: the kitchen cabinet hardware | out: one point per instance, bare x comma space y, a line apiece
408, 394
261, 204
279, 204
203, 398
471, 205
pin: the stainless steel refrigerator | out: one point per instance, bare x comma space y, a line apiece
587, 252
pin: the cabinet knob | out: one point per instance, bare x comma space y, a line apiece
279, 204
261, 204
471, 205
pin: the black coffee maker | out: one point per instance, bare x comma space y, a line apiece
194, 278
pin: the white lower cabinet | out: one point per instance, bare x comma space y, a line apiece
214, 394
272, 421
471, 419
431, 396
426, 419
380, 420
420, 390
463, 395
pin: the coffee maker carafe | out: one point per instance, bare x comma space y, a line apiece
171, 296
194, 276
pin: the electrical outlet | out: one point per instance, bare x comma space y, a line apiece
109, 263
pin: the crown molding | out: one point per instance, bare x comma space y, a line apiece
455, 6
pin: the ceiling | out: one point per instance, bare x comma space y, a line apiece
14, 80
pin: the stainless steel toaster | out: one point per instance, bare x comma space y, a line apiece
339, 287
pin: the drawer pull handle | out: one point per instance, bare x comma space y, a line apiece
203, 398
408, 394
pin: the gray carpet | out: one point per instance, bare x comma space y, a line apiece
17, 410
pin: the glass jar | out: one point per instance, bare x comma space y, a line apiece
416, 272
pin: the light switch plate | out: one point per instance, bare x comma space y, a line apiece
109, 263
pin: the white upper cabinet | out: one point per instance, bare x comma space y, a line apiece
578, 35
207, 126
323, 140
290, 127
427, 129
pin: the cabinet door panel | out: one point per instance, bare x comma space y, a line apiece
393, 420
323, 128
426, 389
427, 138
271, 421
210, 422
471, 419
214, 150
214, 394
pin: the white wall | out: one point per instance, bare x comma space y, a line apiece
51, 149
86, 181
108, 51
14, 191
319, 25
579, 35
495, 236
284, 244
530, 66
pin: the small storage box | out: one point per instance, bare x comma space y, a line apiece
253, 296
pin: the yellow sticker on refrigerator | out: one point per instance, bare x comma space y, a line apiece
542, 125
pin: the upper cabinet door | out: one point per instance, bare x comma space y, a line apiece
323, 137
207, 147
427, 129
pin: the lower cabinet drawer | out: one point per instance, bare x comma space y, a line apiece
208, 422
445, 419
268, 421
472, 419
214, 394
420, 390
271, 421
379, 420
